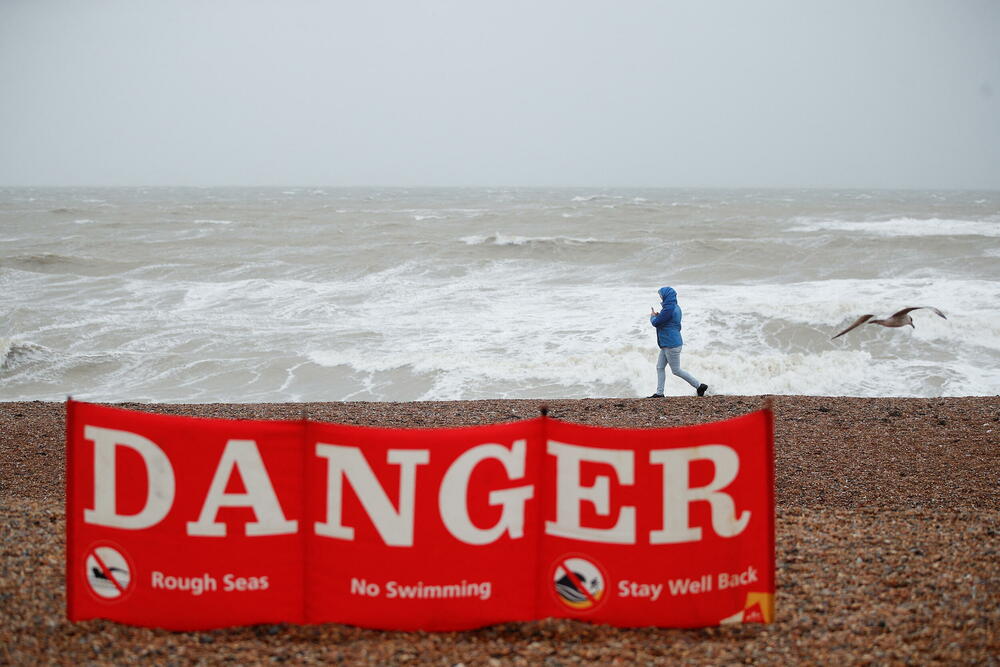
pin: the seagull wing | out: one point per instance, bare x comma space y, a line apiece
936, 311
907, 310
858, 322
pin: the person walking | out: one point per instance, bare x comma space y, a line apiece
668, 337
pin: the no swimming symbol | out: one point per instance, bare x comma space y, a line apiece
109, 574
579, 582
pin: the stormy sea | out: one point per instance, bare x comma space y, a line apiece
327, 294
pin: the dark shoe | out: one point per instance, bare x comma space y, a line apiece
655, 396
702, 389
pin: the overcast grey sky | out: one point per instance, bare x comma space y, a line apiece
865, 93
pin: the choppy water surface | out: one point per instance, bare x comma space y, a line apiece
328, 294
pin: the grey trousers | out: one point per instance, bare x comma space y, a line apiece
672, 356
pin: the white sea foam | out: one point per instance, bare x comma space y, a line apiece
905, 227
486, 337
213, 222
731, 342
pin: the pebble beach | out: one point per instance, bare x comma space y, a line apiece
887, 544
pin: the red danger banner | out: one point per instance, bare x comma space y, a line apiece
189, 523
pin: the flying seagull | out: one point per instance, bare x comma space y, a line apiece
900, 319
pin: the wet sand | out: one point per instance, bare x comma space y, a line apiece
888, 544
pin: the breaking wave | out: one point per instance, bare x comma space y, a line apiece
14, 353
587, 198
499, 239
905, 227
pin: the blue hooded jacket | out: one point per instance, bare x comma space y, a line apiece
668, 322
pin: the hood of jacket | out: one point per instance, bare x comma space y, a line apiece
668, 296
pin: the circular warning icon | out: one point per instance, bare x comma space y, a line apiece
109, 573
579, 582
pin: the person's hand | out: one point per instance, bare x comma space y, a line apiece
652, 312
